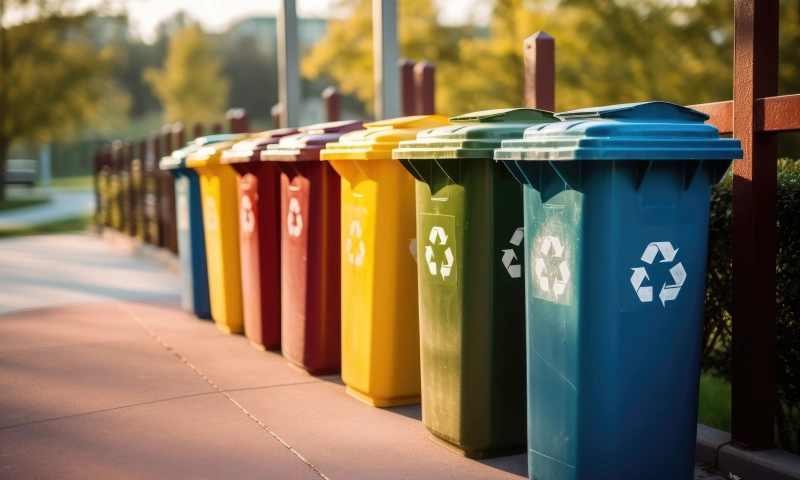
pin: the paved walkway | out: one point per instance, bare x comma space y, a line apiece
65, 204
125, 385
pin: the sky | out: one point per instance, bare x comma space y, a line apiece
216, 15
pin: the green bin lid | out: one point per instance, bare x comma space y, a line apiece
177, 159
473, 135
633, 131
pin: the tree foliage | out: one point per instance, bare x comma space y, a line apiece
53, 80
190, 87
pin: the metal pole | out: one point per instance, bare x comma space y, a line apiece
539, 75
288, 72
45, 166
384, 38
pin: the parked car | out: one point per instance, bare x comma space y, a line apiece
21, 172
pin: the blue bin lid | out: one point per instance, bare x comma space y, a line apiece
633, 131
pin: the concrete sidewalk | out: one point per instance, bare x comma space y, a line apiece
122, 388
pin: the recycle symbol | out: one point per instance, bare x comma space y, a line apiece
559, 284
294, 221
210, 214
357, 258
668, 292
444, 270
248, 218
515, 271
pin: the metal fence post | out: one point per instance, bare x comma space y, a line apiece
288, 71
333, 104
539, 77
197, 131
754, 227
408, 102
425, 88
384, 48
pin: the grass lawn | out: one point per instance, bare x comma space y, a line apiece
83, 182
715, 403
10, 204
68, 225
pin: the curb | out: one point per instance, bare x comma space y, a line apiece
714, 447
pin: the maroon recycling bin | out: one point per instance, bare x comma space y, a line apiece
259, 237
310, 247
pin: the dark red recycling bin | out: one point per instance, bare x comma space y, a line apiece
259, 237
310, 247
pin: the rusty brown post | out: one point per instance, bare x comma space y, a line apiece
139, 190
197, 131
173, 139
277, 113
216, 128
333, 104
539, 72
153, 190
178, 136
407, 96
126, 178
425, 88
755, 68
238, 119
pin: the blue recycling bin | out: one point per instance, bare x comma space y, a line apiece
616, 203
191, 237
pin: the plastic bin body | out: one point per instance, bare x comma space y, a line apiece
380, 322
189, 216
310, 246
259, 238
469, 223
615, 297
218, 186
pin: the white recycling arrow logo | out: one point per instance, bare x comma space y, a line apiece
515, 271
248, 218
668, 292
356, 258
294, 221
446, 267
559, 284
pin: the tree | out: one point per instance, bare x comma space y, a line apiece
190, 87
53, 81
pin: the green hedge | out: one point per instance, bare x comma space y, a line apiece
717, 329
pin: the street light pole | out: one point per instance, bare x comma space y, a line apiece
288, 72
384, 38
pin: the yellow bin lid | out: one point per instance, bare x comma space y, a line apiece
209, 155
380, 138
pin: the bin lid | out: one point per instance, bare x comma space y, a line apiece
177, 159
380, 138
209, 154
249, 150
306, 145
633, 131
473, 135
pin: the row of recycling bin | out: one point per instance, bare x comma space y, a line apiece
514, 270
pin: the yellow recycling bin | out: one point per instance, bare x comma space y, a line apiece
220, 200
380, 316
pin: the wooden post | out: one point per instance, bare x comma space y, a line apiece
128, 224
539, 77
384, 51
277, 116
153, 183
424, 86
197, 131
408, 102
333, 104
288, 71
755, 68
238, 120
216, 128
178, 135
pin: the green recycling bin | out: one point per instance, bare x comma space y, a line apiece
471, 288
616, 236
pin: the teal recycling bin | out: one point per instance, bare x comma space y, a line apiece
189, 215
616, 229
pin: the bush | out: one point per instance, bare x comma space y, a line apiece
717, 329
